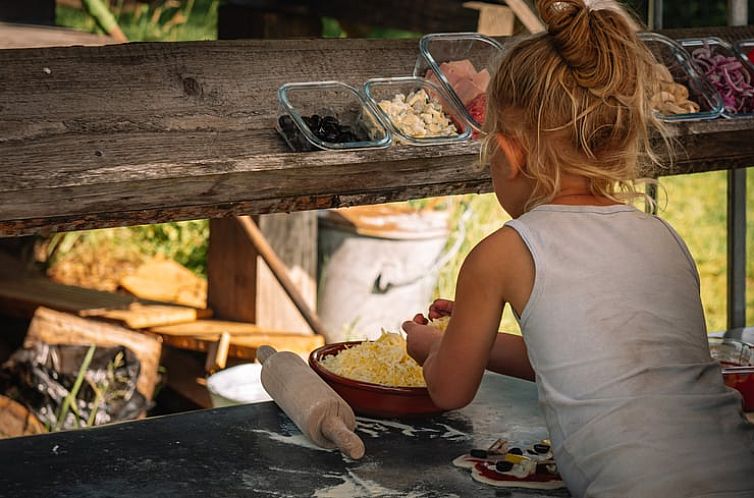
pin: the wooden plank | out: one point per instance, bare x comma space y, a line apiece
141, 316
423, 16
166, 281
494, 20
526, 15
244, 337
54, 327
293, 237
231, 272
20, 297
25, 36
199, 142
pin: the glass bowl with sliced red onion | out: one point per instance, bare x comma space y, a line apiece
725, 69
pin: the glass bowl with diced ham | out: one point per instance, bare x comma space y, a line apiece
462, 64
737, 361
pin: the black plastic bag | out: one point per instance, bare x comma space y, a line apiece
44, 379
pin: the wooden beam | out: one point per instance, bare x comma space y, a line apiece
199, 141
494, 20
25, 36
526, 15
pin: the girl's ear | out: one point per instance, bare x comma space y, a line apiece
514, 153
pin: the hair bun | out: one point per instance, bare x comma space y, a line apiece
587, 37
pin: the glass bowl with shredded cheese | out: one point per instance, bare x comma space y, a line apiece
377, 378
417, 111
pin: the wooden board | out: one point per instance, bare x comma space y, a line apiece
22, 296
199, 140
166, 281
231, 272
16, 420
25, 36
53, 327
245, 338
141, 316
294, 239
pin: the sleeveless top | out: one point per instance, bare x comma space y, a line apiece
615, 332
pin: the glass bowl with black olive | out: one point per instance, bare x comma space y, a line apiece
328, 115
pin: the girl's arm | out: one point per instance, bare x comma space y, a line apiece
455, 364
508, 355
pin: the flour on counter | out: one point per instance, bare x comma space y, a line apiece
295, 439
374, 428
354, 485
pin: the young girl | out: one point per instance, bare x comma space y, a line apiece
607, 297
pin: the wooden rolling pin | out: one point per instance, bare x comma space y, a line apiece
318, 411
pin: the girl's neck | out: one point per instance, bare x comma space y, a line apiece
582, 199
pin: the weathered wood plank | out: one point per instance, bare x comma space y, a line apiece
26, 36
144, 133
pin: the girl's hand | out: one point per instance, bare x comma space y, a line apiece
440, 308
420, 339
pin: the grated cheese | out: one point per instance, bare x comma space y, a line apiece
384, 361
441, 323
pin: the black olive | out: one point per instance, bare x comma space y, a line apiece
308, 120
503, 466
349, 137
332, 137
286, 123
316, 120
478, 453
541, 448
330, 120
515, 451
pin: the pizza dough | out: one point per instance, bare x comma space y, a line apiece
534, 470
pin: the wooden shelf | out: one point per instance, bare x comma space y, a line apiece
95, 137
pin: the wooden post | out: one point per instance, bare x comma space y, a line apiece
494, 20
231, 272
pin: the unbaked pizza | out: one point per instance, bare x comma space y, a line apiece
509, 466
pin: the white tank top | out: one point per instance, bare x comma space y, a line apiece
615, 332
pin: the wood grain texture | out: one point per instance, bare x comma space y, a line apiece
25, 36
231, 272
293, 237
144, 133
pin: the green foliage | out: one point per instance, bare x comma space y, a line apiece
185, 242
164, 20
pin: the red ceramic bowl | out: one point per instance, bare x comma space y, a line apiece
737, 359
373, 399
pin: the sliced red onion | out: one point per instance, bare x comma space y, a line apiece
729, 77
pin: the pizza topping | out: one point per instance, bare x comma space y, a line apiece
541, 448
478, 453
499, 447
503, 466
516, 451
419, 116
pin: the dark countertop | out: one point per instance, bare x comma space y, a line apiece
255, 450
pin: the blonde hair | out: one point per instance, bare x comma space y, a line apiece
577, 99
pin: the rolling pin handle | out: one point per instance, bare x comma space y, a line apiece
346, 440
264, 352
